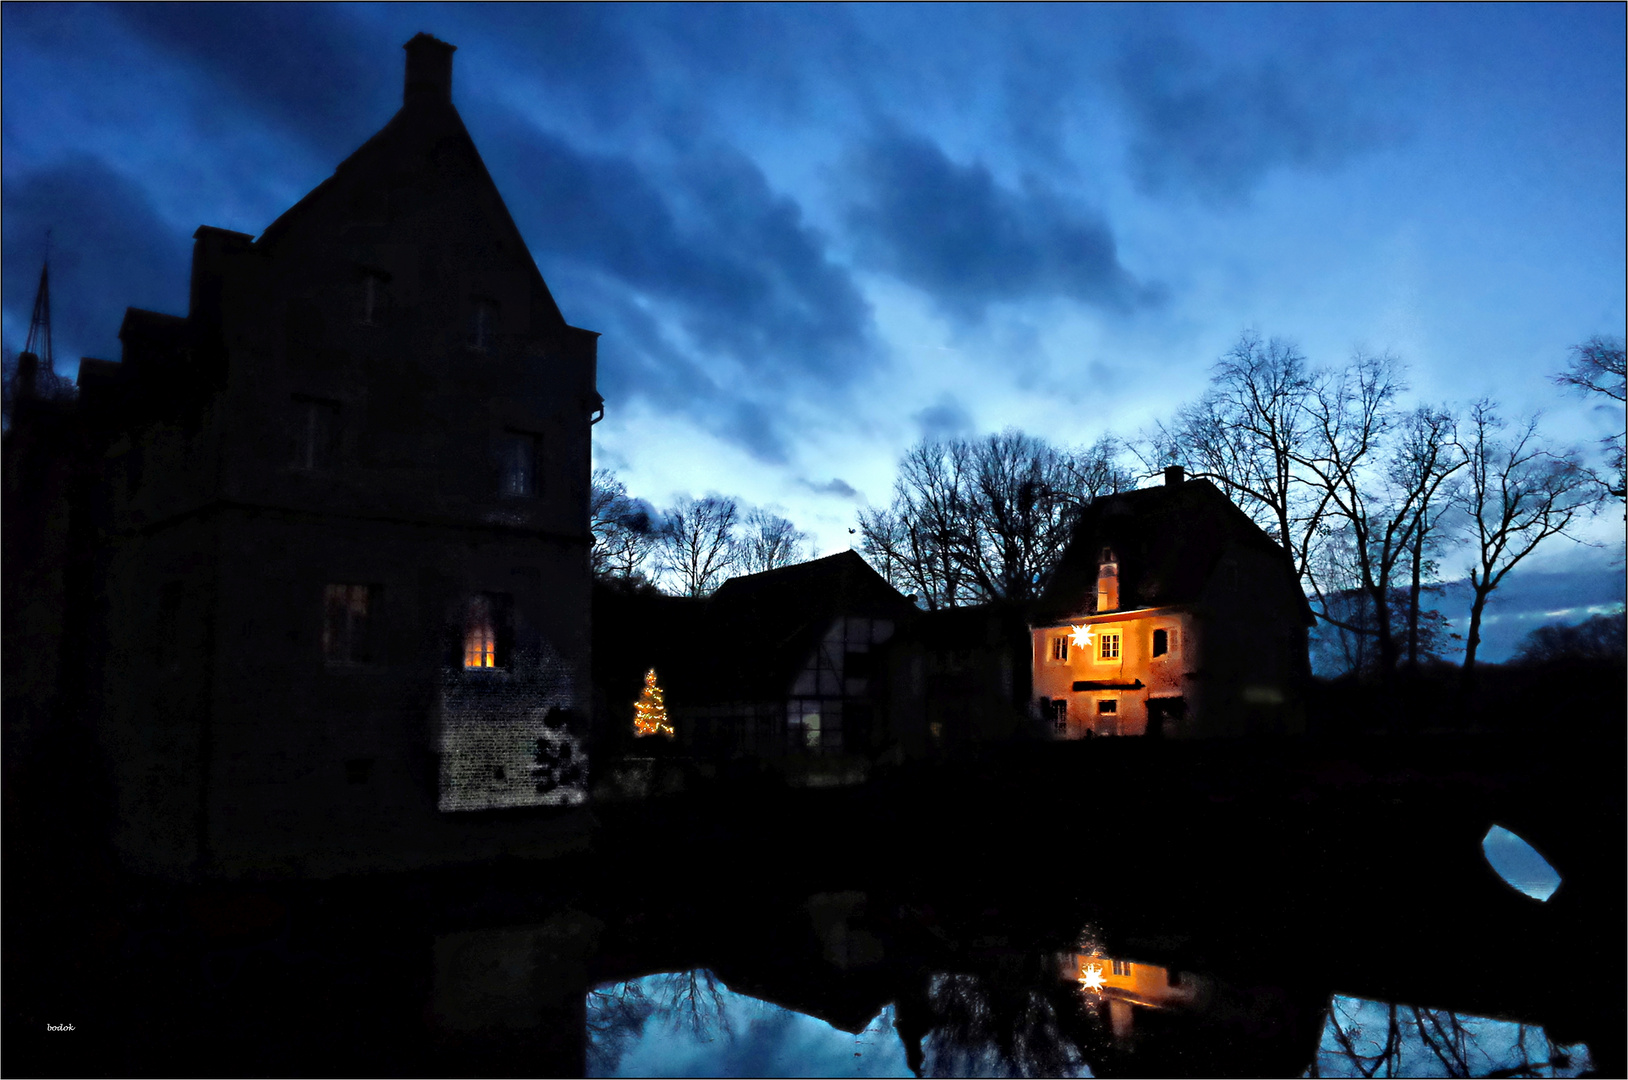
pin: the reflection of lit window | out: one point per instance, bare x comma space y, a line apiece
517, 463
1059, 648
1108, 645
483, 633
1122, 967
348, 614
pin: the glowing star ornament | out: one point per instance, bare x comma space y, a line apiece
650, 711
1081, 636
1091, 978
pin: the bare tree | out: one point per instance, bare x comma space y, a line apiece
984, 519
1519, 492
769, 540
698, 544
625, 530
1597, 367
1249, 433
1427, 456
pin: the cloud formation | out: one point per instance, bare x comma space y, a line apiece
109, 250
718, 287
953, 231
1217, 132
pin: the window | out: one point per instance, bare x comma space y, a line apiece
316, 433
350, 623
1108, 708
1107, 580
1108, 645
482, 325
517, 463
1059, 648
371, 298
1161, 642
1059, 715
486, 632
1122, 967
167, 642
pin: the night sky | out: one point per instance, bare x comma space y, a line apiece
812, 235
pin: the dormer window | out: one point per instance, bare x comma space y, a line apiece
1107, 580
482, 325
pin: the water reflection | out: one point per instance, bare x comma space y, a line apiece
1519, 864
1076, 1014
1373, 1038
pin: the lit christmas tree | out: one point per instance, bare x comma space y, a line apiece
650, 712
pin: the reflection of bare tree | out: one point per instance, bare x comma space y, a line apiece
1347, 1032
1002, 1022
690, 1001
694, 999
1460, 1046
616, 1018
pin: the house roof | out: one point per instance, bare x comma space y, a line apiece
1168, 541
746, 642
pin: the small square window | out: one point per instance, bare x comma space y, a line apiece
350, 623
1107, 708
1122, 967
517, 463
1059, 648
1108, 645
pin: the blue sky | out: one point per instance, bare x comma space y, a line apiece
811, 235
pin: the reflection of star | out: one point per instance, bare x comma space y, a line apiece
1082, 637
1091, 979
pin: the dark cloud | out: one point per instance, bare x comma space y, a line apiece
945, 419
307, 69
835, 486
109, 250
703, 247
956, 233
1217, 132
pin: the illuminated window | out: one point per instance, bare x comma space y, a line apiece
482, 325
349, 625
487, 632
1108, 645
1059, 648
316, 433
1122, 967
1161, 642
517, 463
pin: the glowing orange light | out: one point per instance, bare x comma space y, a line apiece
1091, 977
650, 711
480, 640
1081, 636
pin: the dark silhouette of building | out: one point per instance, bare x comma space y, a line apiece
784, 663
321, 544
1172, 613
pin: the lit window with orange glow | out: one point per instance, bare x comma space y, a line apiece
480, 635
1108, 645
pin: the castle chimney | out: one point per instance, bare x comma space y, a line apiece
1173, 475
429, 70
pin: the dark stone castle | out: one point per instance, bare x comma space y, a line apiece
309, 566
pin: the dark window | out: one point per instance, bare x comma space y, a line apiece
1059, 715
482, 325
1161, 642
487, 632
357, 770
372, 298
350, 624
517, 463
167, 644
857, 665
316, 433
1106, 707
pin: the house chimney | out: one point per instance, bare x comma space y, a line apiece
429, 70
1173, 475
